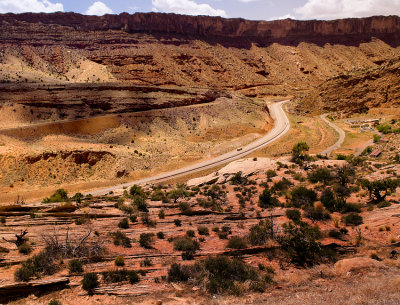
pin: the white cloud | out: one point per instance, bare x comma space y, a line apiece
34, 6
332, 9
98, 8
187, 7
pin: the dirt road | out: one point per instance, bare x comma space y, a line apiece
339, 142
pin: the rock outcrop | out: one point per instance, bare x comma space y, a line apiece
287, 31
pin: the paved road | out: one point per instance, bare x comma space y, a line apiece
282, 125
339, 142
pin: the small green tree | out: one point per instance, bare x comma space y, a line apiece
267, 200
90, 282
379, 189
299, 152
320, 174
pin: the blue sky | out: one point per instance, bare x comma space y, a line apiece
249, 9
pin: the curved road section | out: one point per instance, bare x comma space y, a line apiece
282, 125
339, 142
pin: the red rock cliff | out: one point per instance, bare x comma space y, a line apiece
289, 31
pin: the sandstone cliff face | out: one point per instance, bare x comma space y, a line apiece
290, 31
356, 92
253, 58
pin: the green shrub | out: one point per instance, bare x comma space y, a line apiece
316, 213
75, 266
36, 266
179, 273
190, 233
259, 234
25, 248
160, 235
177, 222
120, 239
267, 200
238, 179
185, 243
136, 190
303, 197
60, 195
271, 173
237, 242
293, 214
300, 244
3, 219
203, 230
90, 282
161, 214
353, 219
320, 174
119, 261
118, 276
224, 273
55, 302
140, 204
124, 223
146, 240
376, 138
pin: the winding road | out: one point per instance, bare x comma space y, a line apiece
339, 142
282, 125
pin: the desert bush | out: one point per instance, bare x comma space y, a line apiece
160, 235
238, 179
294, 215
320, 174
55, 302
225, 273
271, 173
133, 218
237, 242
185, 243
203, 230
25, 248
120, 239
317, 212
300, 244
158, 195
267, 200
136, 191
190, 233
3, 219
161, 214
260, 233
299, 154
140, 203
35, 267
352, 219
177, 222
146, 220
146, 240
118, 276
75, 266
119, 261
281, 185
60, 195
303, 197
182, 273
124, 223
90, 282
